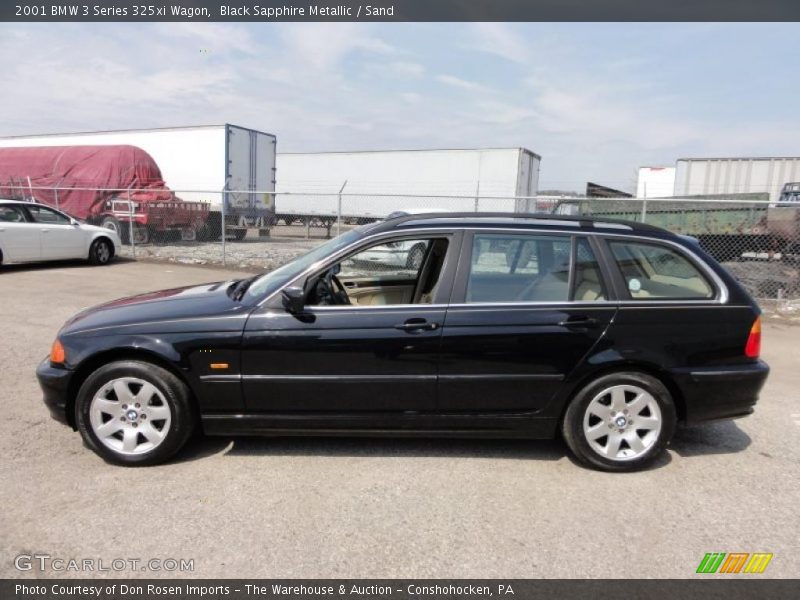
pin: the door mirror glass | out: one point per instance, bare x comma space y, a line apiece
294, 299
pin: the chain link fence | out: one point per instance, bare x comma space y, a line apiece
758, 242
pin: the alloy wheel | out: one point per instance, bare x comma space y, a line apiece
130, 416
102, 253
622, 422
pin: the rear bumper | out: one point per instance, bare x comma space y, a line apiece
55, 384
720, 392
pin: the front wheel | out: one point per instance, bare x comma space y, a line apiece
134, 413
122, 230
101, 252
620, 422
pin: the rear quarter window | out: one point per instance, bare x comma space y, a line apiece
656, 272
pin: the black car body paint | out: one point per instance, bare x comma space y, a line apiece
445, 368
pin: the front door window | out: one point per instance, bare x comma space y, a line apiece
390, 273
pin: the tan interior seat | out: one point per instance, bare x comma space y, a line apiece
589, 288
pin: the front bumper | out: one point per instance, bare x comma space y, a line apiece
712, 393
55, 385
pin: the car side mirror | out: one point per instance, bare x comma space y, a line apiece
74, 222
294, 299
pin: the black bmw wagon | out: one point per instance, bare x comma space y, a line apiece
606, 333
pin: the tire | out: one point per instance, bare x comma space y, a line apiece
101, 252
113, 224
204, 233
239, 234
151, 430
415, 257
142, 234
614, 411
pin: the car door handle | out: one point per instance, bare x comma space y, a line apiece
578, 322
45, 231
417, 325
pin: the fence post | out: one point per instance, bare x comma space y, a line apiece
130, 224
339, 211
644, 203
477, 194
222, 221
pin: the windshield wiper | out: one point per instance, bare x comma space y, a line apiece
240, 287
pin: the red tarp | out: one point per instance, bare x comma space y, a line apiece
74, 167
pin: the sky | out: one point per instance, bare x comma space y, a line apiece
595, 100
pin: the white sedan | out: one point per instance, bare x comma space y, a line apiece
32, 232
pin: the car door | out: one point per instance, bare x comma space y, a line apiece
527, 308
379, 356
19, 238
60, 239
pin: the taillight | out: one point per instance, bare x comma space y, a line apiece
57, 354
752, 348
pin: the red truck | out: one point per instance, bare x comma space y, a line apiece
111, 186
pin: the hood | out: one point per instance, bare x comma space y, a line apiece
104, 230
206, 307
96, 228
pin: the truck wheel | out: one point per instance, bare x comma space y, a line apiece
113, 224
141, 234
239, 234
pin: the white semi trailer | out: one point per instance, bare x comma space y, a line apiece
366, 186
231, 168
721, 176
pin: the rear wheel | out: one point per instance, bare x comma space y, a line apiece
620, 422
101, 252
134, 413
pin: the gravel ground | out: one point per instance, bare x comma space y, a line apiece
380, 508
247, 254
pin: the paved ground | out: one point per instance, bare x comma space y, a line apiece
380, 508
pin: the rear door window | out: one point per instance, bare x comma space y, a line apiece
11, 214
656, 272
507, 268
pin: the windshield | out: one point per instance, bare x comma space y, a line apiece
792, 198
269, 282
